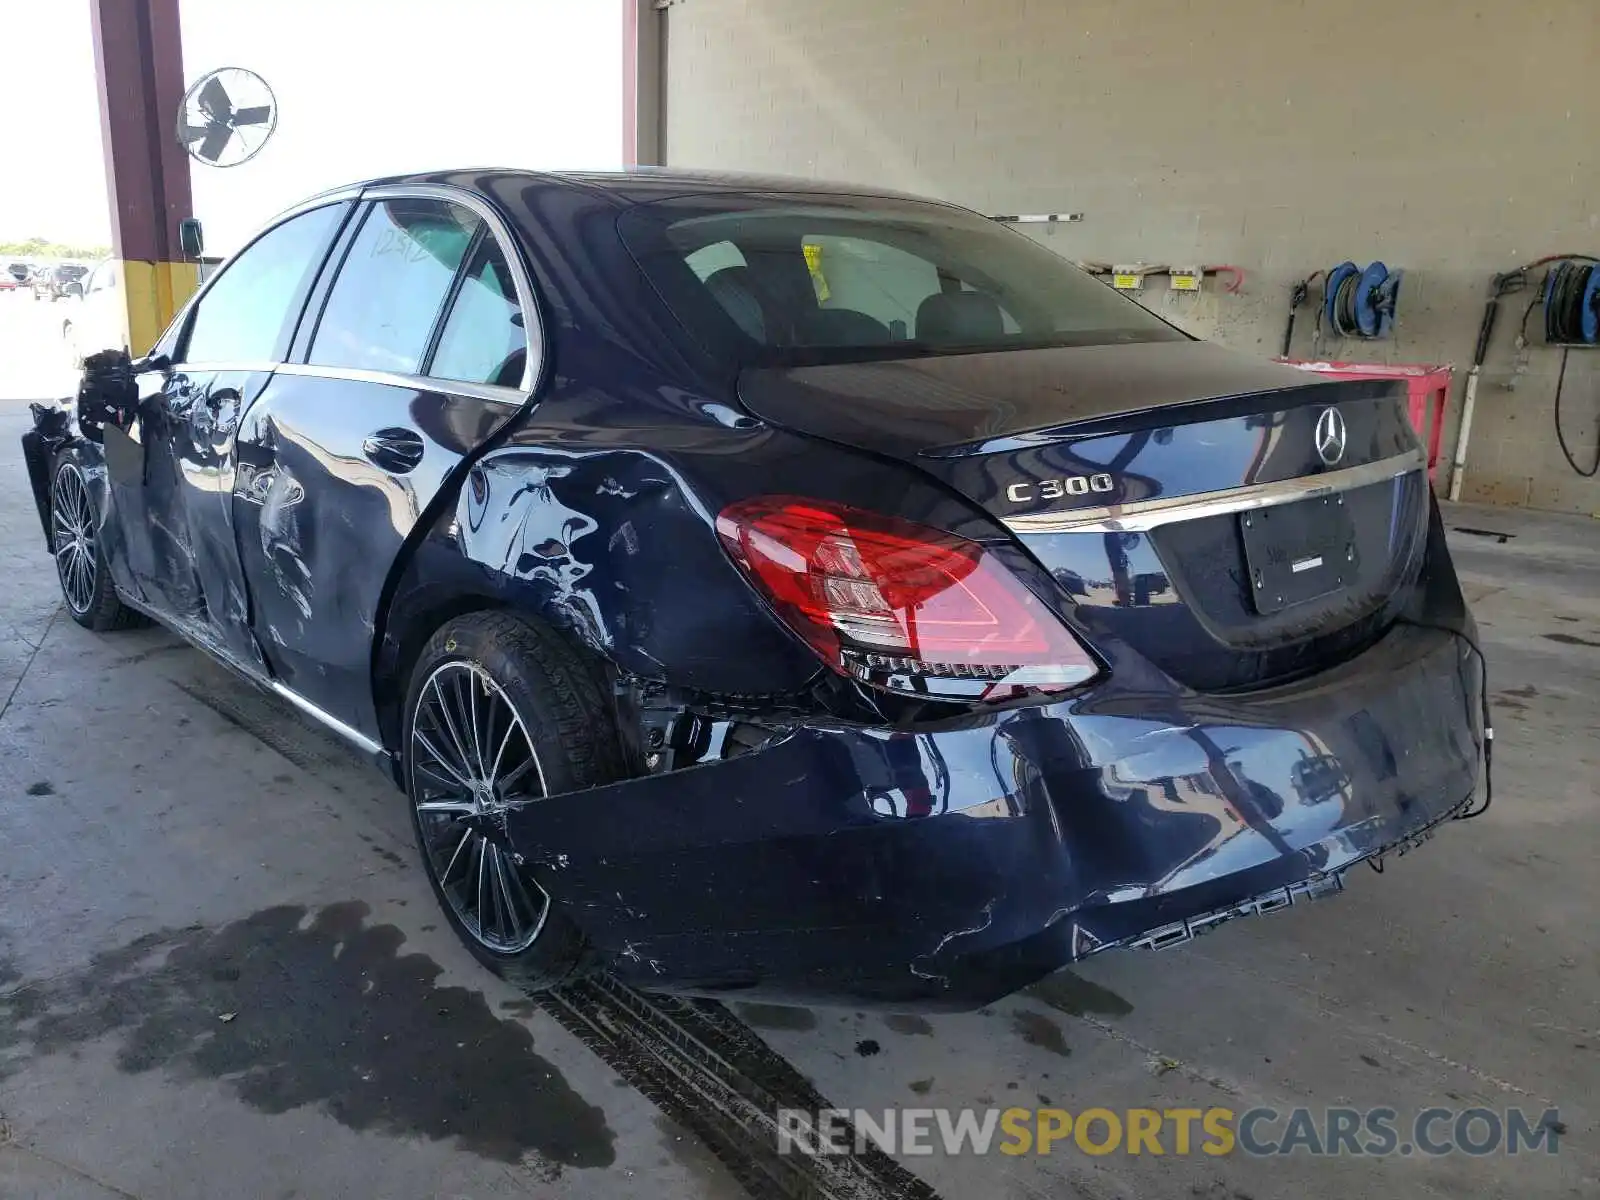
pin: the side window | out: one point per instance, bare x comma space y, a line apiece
392, 285
483, 340
708, 260
721, 266
242, 318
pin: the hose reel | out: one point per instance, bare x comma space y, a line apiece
1572, 303
1361, 302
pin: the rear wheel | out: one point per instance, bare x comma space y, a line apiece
80, 561
500, 713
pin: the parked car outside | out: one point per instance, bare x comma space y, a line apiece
14, 277
97, 318
758, 585
59, 282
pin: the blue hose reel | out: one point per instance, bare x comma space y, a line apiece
1361, 303
1572, 303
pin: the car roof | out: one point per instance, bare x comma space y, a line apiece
642, 185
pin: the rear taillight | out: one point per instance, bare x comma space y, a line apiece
901, 605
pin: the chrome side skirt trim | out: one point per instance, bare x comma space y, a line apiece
332, 723
1140, 515
349, 734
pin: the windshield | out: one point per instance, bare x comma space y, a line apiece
799, 280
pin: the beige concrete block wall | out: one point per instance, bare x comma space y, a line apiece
1453, 138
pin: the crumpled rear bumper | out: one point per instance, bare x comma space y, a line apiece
953, 867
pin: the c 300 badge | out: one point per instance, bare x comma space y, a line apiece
1058, 489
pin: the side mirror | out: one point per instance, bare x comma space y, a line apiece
190, 238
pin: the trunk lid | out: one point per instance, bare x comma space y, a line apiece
1174, 491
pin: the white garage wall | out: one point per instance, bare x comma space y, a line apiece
1450, 138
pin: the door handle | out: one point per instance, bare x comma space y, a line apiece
395, 450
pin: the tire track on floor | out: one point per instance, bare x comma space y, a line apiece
708, 1071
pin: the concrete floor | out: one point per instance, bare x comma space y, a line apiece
220, 973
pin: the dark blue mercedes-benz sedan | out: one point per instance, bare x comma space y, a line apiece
762, 585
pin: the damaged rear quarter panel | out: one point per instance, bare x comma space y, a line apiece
596, 513
611, 545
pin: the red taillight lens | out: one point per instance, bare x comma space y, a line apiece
900, 604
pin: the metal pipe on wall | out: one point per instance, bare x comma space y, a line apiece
1458, 464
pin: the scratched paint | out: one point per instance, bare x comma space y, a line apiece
280, 539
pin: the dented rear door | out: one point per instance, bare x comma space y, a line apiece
334, 476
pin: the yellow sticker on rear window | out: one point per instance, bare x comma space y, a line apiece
819, 281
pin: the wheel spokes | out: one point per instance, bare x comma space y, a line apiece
472, 722
450, 867
449, 727
456, 776
483, 891
508, 783
72, 529
507, 899
455, 808
500, 754
462, 718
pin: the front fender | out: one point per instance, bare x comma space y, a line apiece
51, 432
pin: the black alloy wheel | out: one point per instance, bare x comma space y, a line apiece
501, 713
86, 585
471, 758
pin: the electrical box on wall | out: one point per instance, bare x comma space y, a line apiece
1127, 278
1186, 279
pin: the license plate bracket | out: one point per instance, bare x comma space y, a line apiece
1298, 552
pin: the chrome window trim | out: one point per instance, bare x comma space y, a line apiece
419, 383
217, 368
533, 332
1141, 515
416, 383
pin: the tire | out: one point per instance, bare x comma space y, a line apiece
475, 667
86, 587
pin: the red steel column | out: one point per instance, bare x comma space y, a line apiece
644, 31
138, 58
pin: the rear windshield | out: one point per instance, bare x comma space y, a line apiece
799, 280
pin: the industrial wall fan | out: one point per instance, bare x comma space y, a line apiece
227, 117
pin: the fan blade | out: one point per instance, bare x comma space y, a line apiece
214, 100
193, 133
216, 142
258, 115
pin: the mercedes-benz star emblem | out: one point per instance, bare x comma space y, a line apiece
1330, 436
